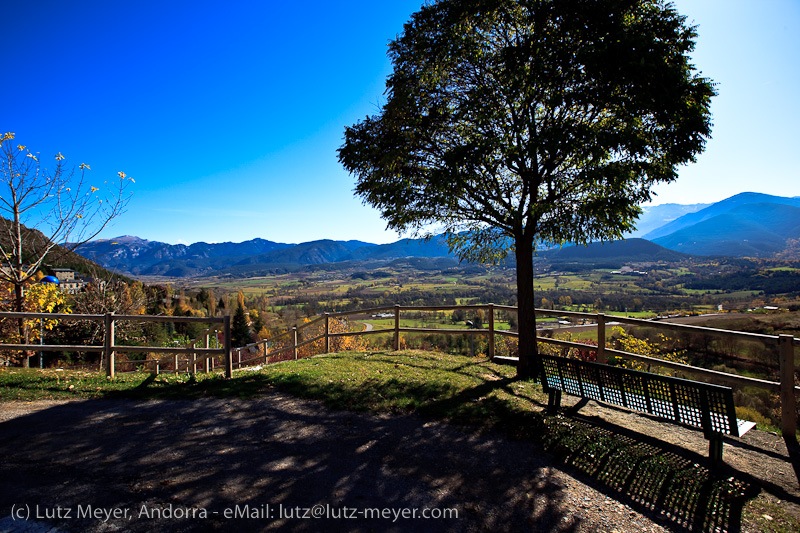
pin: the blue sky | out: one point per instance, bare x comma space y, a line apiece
228, 115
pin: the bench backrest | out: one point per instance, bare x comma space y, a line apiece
694, 403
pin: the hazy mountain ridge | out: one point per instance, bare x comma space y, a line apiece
656, 216
753, 230
719, 208
141, 256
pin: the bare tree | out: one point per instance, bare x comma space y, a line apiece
48, 212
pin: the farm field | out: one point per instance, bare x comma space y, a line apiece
658, 289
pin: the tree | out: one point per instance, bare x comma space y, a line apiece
39, 298
512, 124
45, 212
257, 321
104, 294
240, 331
477, 321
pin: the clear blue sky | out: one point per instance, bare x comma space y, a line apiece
228, 114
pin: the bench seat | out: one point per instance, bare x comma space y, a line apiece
702, 405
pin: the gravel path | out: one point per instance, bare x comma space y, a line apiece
206, 456
182, 465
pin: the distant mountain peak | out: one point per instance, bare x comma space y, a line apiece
719, 208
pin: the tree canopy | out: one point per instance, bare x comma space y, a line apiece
513, 123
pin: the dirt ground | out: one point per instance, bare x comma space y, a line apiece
293, 465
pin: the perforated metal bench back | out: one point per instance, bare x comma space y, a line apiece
693, 403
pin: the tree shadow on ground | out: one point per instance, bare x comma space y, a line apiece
274, 450
662, 480
659, 479
181, 464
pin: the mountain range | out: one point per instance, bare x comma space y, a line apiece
764, 215
745, 225
138, 257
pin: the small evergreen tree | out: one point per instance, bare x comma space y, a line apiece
240, 331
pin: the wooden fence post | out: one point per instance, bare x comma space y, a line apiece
491, 332
108, 344
294, 342
175, 361
208, 359
266, 353
788, 401
396, 328
228, 359
238, 358
601, 338
327, 334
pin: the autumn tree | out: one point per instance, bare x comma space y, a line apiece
105, 294
257, 321
39, 298
791, 251
48, 211
510, 124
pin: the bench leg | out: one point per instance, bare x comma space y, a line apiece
580, 405
715, 449
553, 401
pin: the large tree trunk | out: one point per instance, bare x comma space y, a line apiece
528, 365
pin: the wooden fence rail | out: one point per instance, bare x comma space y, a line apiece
784, 345
110, 348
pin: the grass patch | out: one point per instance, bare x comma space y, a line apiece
769, 517
23, 384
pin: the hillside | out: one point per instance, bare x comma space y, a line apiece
434, 247
58, 257
616, 252
309, 253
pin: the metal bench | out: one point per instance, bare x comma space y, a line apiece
702, 405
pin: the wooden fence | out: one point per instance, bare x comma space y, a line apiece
781, 345
109, 349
